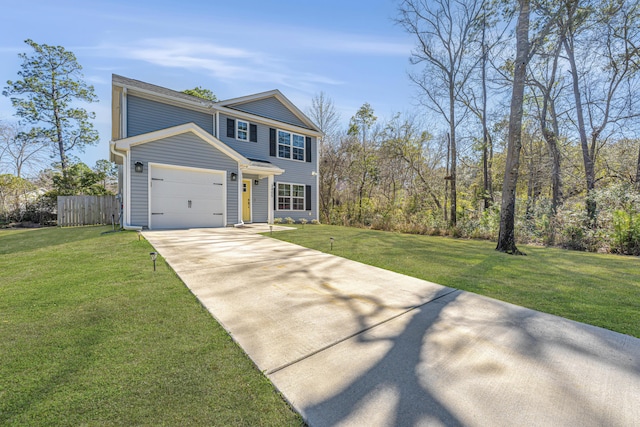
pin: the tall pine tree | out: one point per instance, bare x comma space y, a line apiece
47, 96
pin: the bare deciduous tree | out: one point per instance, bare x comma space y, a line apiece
363, 153
324, 114
445, 31
546, 85
600, 43
19, 152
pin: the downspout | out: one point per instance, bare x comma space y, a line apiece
216, 124
317, 170
270, 201
125, 172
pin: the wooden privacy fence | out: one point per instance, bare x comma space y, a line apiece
87, 210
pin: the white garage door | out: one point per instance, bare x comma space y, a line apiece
186, 198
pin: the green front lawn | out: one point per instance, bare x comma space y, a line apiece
602, 290
90, 335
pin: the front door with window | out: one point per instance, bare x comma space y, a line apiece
246, 200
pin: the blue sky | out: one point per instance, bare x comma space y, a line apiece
350, 49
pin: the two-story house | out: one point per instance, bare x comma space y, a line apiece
187, 162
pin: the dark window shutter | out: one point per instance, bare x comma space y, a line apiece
307, 197
272, 142
231, 128
275, 195
308, 149
253, 133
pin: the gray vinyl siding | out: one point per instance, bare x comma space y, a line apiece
296, 172
182, 150
144, 115
252, 150
272, 109
299, 173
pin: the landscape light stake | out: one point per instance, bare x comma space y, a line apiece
154, 256
331, 239
139, 235
271, 229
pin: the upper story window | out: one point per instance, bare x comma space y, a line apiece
242, 131
291, 146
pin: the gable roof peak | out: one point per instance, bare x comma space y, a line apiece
233, 103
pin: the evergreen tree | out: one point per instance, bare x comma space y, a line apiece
47, 95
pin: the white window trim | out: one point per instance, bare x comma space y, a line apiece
238, 121
291, 134
291, 184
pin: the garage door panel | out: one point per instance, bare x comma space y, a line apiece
190, 180
181, 204
185, 189
186, 176
183, 198
186, 221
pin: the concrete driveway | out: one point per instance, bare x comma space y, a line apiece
351, 344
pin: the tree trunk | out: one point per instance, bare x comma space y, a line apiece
506, 236
589, 169
446, 182
638, 173
454, 155
556, 181
486, 175
551, 135
64, 162
490, 168
531, 182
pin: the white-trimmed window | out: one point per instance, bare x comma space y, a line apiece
242, 130
291, 146
291, 197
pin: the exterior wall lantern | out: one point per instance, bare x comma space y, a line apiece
138, 167
256, 182
234, 176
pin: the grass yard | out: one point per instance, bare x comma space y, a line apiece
602, 290
90, 335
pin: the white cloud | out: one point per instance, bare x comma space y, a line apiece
354, 44
222, 62
315, 40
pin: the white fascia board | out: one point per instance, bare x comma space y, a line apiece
269, 122
202, 106
248, 98
210, 106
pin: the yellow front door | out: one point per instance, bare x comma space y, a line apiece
246, 200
